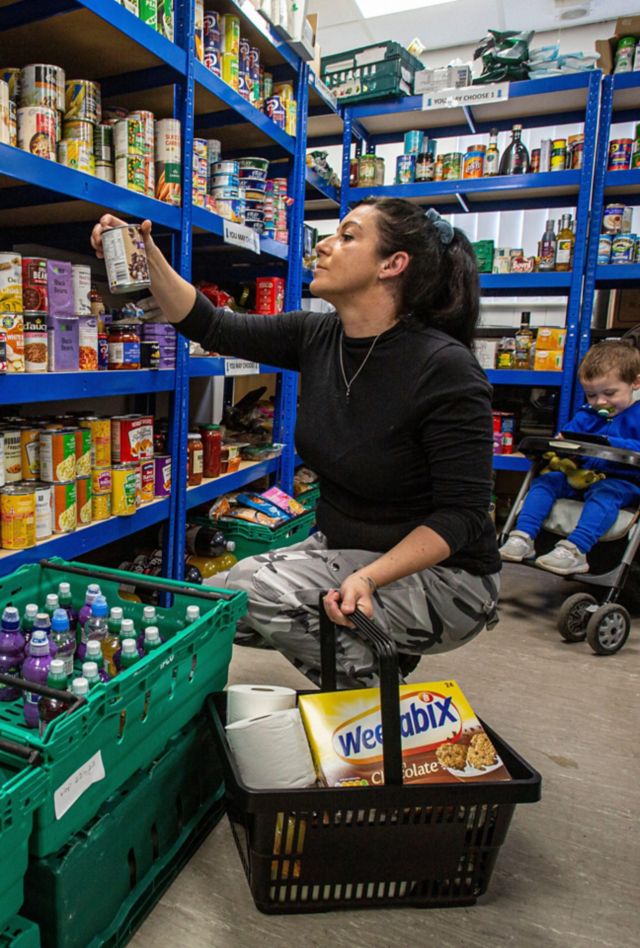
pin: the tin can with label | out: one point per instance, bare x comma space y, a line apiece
105, 171
101, 506
11, 76
619, 154
452, 166
12, 456
125, 259
37, 131
622, 248
130, 173
535, 161
230, 33
147, 480
128, 138
101, 480
77, 130
36, 343
77, 155
131, 438
58, 455
103, 143
5, 128
558, 155
162, 475
405, 169
276, 111
230, 72
83, 452
604, 249
148, 12
30, 453
168, 161
82, 100
18, 517
11, 290
100, 429
42, 84
83, 488
3, 353
2, 469
414, 142
473, 163
575, 152
35, 292
103, 351
612, 218
12, 325
123, 491
44, 511
65, 507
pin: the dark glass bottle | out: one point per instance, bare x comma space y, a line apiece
515, 159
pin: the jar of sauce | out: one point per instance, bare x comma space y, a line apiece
124, 346
211, 443
195, 460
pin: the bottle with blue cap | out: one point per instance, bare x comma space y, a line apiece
64, 639
96, 626
11, 650
35, 668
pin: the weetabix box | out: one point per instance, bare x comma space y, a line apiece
442, 739
64, 343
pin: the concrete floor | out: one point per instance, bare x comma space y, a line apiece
568, 874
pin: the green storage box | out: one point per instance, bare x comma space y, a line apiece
20, 933
385, 70
309, 498
90, 753
483, 250
254, 538
23, 788
102, 884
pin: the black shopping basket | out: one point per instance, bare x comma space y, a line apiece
421, 845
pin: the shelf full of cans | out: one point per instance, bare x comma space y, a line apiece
221, 48
70, 471
617, 243
62, 120
158, 14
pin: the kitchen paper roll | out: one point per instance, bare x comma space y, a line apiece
272, 751
252, 701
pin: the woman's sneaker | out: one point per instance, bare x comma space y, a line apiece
565, 558
519, 547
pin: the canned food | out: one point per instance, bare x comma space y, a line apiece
230, 72
35, 292
100, 429
604, 248
131, 438
12, 325
30, 453
83, 452
65, 507
405, 169
37, 131
622, 248
130, 172
11, 290
3, 353
612, 218
558, 154
42, 84
414, 142
36, 343
58, 455
11, 76
123, 489
635, 158
101, 506
101, 480
535, 161
105, 171
162, 475
168, 161
619, 154
18, 517
128, 138
76, 154
76, 130
44, 511
12, 456
576, 150
473, 163
147, 480
125, 259
102, 143
2, 470
452, 166
83, 489
276, 110
82, 100
230, 33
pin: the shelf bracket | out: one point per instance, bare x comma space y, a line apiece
461, 201
468, 114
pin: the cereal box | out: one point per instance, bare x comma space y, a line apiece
442, 739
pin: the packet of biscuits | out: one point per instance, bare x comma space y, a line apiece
442, 739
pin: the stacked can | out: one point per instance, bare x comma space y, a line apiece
164, 22
42, 103
9, 101
100, 447
83, 111
11, 313
253, 185
199, 178
147, 121
168, 161
103, 152
284, 92
275, 210
212, 39
504, 426
214, 151
230, 45
198, 29
35, 294
164, 335
225, 191
5, 121
129, 148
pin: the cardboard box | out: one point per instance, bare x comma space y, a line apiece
551, 337
624, 309
64, 343
548, 360
444, 77
625, 26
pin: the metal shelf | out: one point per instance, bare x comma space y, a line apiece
510, 462
518, 283
71, 545
326, 190
215, 486
207, 222
626, 184
28, 388
205, 366
618, 274
523, 377
260, 33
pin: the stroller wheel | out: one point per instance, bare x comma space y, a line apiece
574, 616
608, 628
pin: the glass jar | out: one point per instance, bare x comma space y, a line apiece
211, 444
194, 460
124, 346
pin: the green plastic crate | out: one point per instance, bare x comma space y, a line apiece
127, 721
309, 498
252, 539
103, 883
20, 933
385, 70
22, 789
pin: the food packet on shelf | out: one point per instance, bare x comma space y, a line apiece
283, 501
251, 515
257, 502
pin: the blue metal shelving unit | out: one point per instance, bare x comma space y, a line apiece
146, 68
535, 103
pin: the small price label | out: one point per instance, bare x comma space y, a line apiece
241, 367
240, 236
72, 789
469, 96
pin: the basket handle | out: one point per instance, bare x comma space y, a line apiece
30, 754
385, 649
144, 582
74, 701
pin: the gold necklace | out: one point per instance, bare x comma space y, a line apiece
349, 382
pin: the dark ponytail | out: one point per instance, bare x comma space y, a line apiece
440, 287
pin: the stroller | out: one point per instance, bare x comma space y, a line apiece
605, 624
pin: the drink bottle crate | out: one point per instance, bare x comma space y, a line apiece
90, 752
20, 933
106, 879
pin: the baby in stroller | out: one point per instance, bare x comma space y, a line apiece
610, 377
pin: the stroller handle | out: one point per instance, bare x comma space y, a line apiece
534, 447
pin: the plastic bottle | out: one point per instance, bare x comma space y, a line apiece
66, 603
192, 614
565, 244
548, 249
515, 159
152, 639
43, 622
11, 650
91, 673
64, 640
205, 541
148, 617
524, 342
210, 565
127, 631
94, 654
111, 641
35, 668
492, 155
129, 655
51, 604
28, 620
96, 626
93, 590
80, 687
50, 708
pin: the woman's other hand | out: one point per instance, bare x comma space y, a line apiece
106, 222
356, 592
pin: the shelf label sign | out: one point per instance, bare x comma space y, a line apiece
470, 96
241, 367
241, 236
68, 793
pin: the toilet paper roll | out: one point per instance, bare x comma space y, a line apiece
272, 751
252, 701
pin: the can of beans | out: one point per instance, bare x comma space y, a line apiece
130, 172
11, 289
100, 429
125, 259
604, 249
123, 490
83, 488
162, 475
58, 455
619, 154
101, 506
37, 131
230, 33
35, 292
12, 456
82, 100
83, 452
18, 517
44, 511
65, 507
30, 453
36, 343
